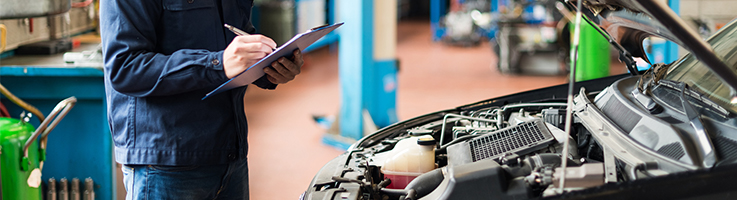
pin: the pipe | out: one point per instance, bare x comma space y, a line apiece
500, 114
406, 194
5, 91
21, 103
384, 183
62, 108
445, 118
457, 140
426, 183
4, 111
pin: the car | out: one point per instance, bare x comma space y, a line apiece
666, 133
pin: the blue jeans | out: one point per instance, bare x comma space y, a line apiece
226, 181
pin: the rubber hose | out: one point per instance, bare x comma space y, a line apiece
426, 183
4, 91
4, 111
544, 159
393, 191
21, 103
411, 195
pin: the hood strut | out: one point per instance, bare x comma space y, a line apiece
624, 55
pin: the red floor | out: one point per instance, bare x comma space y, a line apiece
285, 147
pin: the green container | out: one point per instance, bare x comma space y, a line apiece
593, 54
13, 135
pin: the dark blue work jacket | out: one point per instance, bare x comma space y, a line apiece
161, 57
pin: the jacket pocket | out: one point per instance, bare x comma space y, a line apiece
182, 5
188, 24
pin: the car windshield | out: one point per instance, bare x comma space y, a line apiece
694, 73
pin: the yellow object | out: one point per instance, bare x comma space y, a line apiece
3, 36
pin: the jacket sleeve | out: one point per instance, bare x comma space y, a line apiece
128, 31
264, 83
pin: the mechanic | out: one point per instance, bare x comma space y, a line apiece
160, 59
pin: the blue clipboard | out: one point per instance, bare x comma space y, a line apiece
299, 41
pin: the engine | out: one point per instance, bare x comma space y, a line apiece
510, 152
499, 150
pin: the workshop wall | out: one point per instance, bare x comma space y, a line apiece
721, 11
707, 16
30, 30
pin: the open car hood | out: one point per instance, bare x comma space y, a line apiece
626, 23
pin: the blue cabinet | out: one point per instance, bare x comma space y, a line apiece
80, 146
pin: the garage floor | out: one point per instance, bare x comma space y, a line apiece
285, 147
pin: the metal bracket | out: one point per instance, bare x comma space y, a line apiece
610, 167
58, 113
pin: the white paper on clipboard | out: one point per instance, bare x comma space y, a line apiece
299, 41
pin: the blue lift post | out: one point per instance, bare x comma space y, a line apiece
438, 8
366, 83
383, 86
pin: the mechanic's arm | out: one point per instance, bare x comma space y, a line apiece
133, 68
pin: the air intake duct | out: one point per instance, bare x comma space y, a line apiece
520, 139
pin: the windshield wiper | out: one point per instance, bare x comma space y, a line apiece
705, 147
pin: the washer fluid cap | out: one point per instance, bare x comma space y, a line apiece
426, 141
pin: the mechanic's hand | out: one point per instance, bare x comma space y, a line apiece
284, 70
245, 51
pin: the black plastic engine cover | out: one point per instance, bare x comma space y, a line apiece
483, 179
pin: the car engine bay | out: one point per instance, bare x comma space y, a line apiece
668, 133
514, 150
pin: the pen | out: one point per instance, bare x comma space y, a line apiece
238, 32
235, 30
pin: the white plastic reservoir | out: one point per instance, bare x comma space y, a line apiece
410, 157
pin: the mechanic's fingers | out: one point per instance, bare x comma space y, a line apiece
279, 68
255, 55
277, 78
271, 79
254, 47
257, 39
289, 65
298, 58
286, 73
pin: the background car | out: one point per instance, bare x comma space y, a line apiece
670, 133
